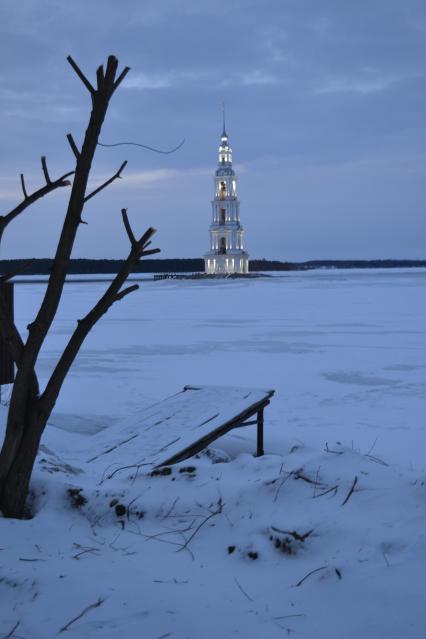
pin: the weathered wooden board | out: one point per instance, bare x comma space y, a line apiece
7, 368
177, 427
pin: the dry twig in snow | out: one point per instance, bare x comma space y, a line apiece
293, 533
329, 490
212, 514
299, 583
281, 485
242, 589
352, 488
169, 512
94, 605
11, 633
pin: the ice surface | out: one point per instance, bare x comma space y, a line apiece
346, 353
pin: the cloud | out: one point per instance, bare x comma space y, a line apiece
154, 177
172, 79
369, 82
148, 81
305, 83
206, 79
10, 190
355, 85
10, 194
258, 77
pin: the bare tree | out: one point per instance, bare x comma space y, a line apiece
29, 407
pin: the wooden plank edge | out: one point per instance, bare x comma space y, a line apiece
201, 443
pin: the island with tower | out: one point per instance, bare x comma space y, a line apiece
227, 255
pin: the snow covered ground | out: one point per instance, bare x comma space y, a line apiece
346, 353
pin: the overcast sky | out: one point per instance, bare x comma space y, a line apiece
325, 113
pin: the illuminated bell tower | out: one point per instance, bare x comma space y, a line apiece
226, 255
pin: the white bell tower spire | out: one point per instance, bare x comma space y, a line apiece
227, 254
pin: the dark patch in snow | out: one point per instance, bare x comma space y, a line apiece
76, 497
120, 510
166, 470
187, 469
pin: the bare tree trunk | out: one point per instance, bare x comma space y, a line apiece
28, 410
15, 487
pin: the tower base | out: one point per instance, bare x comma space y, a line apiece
226, 264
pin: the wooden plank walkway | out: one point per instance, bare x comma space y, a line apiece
178, 427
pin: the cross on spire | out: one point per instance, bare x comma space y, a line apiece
224, 134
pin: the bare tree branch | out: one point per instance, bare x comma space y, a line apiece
150, 252
121, 76
30, 199
84, 326
28, 411
24, 190
126, 291
81, 75
116, 176
73, 146
111, 70
49, 305
45, 171
141, 244
24, 267
100, 77
128, 227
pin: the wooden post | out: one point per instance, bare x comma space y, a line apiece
7, 367
260, 450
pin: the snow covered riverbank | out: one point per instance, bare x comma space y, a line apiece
346, 354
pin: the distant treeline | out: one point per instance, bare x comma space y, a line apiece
188, 265
92, 267
312, 264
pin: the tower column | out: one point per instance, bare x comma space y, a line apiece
226, 255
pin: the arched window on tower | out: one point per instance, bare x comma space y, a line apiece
222, 249
222, 190
222, 216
